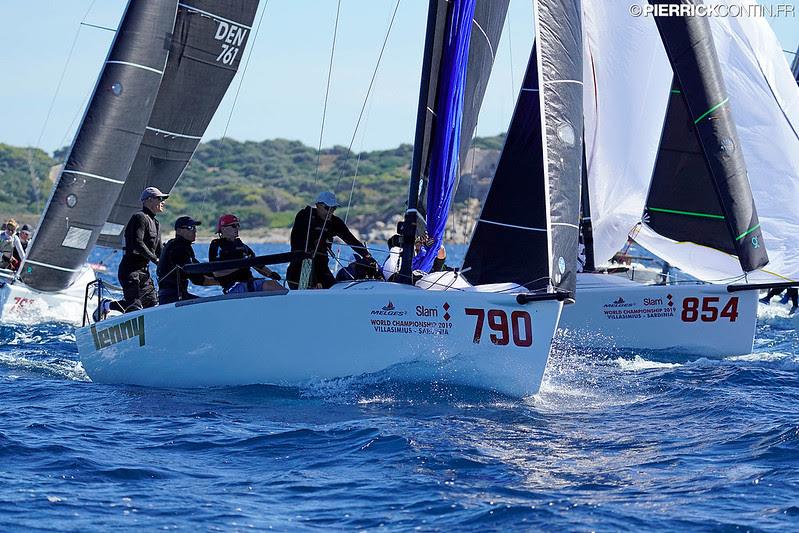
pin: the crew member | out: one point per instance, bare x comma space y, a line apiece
178, 253
142, 246
229, 246
313, 232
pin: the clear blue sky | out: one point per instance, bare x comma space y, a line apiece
284, 84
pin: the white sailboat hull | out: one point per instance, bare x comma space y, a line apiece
702, 319
349, 330
21, 304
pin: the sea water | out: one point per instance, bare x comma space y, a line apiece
614, 441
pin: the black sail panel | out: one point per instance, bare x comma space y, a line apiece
206, 50
559, 38
104, 147
510, 238
682, 203
692, 54
586, 226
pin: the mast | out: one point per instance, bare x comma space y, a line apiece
436, 13
699, 91
104, 147
205, 52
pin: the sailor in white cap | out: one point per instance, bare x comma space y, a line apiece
313, 232
142, 246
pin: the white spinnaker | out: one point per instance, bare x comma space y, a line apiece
628, 68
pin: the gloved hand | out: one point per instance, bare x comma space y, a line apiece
275, 276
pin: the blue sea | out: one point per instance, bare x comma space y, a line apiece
615, 441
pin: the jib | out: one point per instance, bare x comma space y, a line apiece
103, 338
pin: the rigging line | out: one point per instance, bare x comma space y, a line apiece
63, 73
244, 70
371, 84
327, 93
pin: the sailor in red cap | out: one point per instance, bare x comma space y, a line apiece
229, 246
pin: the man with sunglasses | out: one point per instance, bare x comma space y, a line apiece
313, 232
229, 246
142, 246
177, 253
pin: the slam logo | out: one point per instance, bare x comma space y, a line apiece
103, 338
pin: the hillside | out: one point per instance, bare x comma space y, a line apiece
267, 182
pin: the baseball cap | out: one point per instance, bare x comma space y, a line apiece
226, 220
185, 221
327, 198
152, 192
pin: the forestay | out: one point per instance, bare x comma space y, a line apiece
104, 147
205, 52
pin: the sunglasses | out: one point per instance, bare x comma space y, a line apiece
234, 225
190, 228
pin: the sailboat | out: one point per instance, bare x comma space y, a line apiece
482, 338
685, 197
51, 281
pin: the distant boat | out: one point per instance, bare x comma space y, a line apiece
51, 281
720, 192
484, 337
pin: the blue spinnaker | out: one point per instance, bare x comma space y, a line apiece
446, 146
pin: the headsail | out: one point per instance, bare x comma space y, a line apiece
528, 230
104, 147
462, 38
683, 204
206, 49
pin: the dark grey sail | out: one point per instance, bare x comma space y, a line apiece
795, 66
559, 38
692, 54
586, 226
104, 147
205, 53
486, 29
510, 239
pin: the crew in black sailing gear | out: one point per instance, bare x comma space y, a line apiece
178, 253
142, 246
313, 232
229, 246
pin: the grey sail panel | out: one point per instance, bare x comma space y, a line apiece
205, 52
682, 203
104, 147
509, 243
692, 54
559, 38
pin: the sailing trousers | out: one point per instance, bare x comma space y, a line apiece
320, 274
137, 286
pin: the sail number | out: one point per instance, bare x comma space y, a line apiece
710, 309
232, 37
517, 328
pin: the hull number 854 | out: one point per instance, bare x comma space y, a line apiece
518, 327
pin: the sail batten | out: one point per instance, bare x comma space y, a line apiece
205, 52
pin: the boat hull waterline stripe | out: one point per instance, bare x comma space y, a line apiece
215, 17
95, 176
143, 67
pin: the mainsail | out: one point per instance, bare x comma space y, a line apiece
681, 203
458, 56
104, 147
528, 230
205, 52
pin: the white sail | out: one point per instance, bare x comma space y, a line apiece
627, 82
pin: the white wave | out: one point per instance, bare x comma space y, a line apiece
64, 368
639, 363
